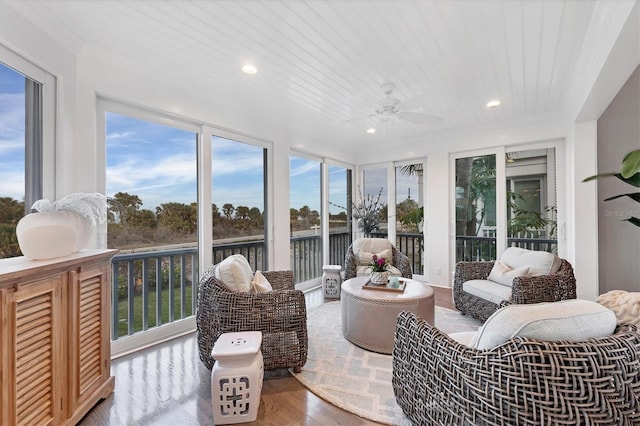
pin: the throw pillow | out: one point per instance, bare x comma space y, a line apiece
260, 284
235, 272
503, 274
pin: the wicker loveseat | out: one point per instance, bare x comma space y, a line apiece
559, 285
438, 381
375, 246
280, 315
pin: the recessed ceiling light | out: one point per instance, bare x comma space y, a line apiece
371, 130
493, 103
249, 69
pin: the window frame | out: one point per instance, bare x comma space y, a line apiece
48, 83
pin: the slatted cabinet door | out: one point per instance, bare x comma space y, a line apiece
89, 361
33, 352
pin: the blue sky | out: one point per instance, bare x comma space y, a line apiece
158, 163
11, 134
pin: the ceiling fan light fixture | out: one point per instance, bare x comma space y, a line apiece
371, 130
493, 103
249, 69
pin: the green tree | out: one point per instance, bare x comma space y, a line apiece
124, 207
178, 217
227, 210
305, 211
11, 211
242, 212
256, 217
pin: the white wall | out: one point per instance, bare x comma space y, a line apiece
618, 242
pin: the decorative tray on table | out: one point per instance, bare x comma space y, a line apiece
385, 287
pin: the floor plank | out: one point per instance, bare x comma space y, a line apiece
168, 385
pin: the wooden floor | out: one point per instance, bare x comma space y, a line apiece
168, 385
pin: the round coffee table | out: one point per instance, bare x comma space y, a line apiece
369, 316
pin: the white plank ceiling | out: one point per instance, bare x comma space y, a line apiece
321, 63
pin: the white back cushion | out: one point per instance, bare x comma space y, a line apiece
235, 272
573, 320
365, 248
539, 262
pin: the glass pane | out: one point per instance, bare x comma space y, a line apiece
475, 194
12, 158
152, 195
339, 214
531, 199
304, 204
409, 213
238, 198
370, 211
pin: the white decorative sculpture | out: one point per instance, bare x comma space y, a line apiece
60, 228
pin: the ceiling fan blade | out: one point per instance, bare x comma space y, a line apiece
420, 118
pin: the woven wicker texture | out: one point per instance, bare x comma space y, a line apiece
438, 381
400, 261
542, 288
281, 316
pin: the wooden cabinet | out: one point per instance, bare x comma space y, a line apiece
55, 344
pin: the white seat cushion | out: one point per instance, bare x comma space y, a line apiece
235, 272
488, 290
572, 320
539, 262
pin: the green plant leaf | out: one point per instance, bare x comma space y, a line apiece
632, 180
601, 175
633, 195
631, 164
634, 220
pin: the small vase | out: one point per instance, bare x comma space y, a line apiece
379, 278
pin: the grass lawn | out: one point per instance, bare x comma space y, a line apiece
123, 310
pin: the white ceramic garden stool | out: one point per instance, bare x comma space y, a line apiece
331, 281
236, 377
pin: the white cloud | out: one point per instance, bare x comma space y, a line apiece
12, 184
305, 167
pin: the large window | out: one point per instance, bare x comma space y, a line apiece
371, 203
475, 207
509, 206
239, 200
305, 218
340, 184
531, 199
409, 180
21, 152
151, 185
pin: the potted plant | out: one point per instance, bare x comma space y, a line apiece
379, 272
629, 173
60, 228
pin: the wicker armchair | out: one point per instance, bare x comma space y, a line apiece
399, 260
438, 381
280, 314
542, 288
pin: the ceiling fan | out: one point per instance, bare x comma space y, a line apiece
390, 108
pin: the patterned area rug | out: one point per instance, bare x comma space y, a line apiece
352, 378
